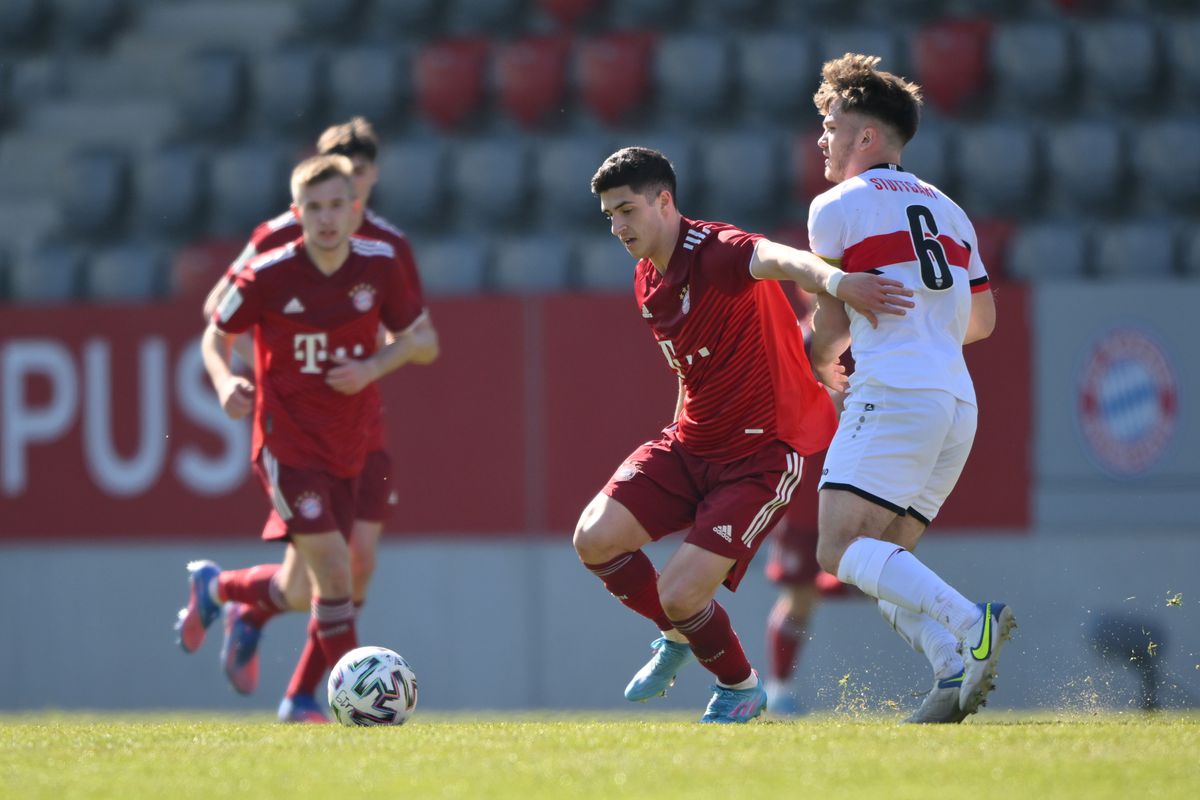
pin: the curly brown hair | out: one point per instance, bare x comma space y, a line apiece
854, 80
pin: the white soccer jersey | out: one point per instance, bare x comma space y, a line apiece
891, 223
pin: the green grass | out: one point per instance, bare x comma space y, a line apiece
602, 756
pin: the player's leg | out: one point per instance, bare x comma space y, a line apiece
647, 498
787, 631
364, 545
372, 502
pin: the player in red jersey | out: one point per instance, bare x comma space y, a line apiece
286, 584
910, 417
748, 410
315, 306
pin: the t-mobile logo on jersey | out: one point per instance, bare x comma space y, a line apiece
311, 349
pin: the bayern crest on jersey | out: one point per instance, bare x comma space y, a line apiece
363, 297
309, 505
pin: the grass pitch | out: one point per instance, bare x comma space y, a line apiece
601, 756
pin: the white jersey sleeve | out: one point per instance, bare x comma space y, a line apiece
826, 229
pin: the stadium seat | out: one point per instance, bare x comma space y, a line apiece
51, 274
1129, 78
926, 155
212, 91
1167, 161
23, 21
531, 78
455, 265
693, 74
613, 70
777, 74
88, 21
288, 89
879, 41
330, 17
569, 12
962, 43
126, 272
8, 104
93, 191
1030, 63
251, 26
806, 166
171, 187
412, 184
565, 166
680, 149
407, 17
490, 179
532, 264
249, 185
1183, 56
741, 175
484, 17
196, 266
448, 79
1085, 162
997, 167
1134, 249
799, 14
604, 264
1047, 251
368, 82
1189, 255
642, 13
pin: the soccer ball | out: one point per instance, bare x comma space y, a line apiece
372, 686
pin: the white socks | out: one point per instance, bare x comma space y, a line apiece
675, 636
889, 572
749, 683
926, 637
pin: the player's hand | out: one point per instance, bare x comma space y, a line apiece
351, 376
873, 294
832, 375
237, 397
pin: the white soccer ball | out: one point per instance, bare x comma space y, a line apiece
372, 686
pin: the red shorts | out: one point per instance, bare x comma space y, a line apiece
304, 500
374, 491
729, 508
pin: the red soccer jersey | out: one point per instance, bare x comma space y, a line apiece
284, 228
303, 320
735, 342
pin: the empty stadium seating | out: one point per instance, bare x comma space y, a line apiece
950, 61
370, 82
1047, 251
564, 172
1119, 61
171, 189
1136, 249
131, 271
1031, 64
613, 73
454, 265
604, 264
777, 72
532, 264
491, 180
1085, 164
997, 167
448, 77
741, 176
412, 187
93, 192
288, 89
249, 185
531, 77
51, 274
693, 76
1167, 159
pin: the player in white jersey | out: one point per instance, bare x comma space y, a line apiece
910, 414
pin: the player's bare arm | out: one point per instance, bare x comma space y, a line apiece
866, 293
830, 338
235, 392
214, 296
983, 317
416, 345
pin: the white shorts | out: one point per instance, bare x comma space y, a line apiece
901, 448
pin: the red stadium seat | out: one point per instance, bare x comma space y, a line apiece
808, 167
993, 234
614, 73
951, 60
448, 78
196, 267
568, 12
531, 77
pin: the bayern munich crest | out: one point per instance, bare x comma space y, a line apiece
309, 505
1128, 401
363, 297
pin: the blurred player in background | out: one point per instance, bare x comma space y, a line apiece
910, 414
287, 583
747, 411
315, 306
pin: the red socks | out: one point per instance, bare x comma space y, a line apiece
633, 580
715, 644
331, 634
255, 587
784, 638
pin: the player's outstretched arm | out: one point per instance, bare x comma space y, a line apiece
417, 345
235, 392
830, 338
983, 317
214, 296
866, 293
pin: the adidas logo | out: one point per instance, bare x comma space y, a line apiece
294, 306
724, 531
646, 312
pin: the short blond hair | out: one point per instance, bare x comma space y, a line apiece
319, 169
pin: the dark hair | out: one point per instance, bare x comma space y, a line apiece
350, 139
643, 170
863, 89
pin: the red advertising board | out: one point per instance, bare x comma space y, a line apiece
109, 429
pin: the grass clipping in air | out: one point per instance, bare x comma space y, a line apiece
600, 756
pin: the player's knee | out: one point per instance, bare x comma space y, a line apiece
829, 554
680, 599
298, 595
594, 538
